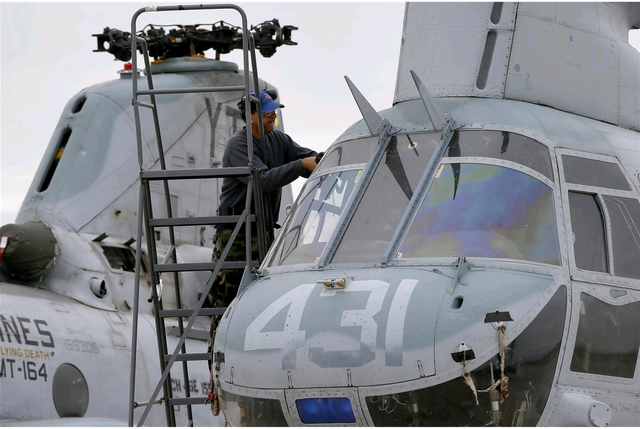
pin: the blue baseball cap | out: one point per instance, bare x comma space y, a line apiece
266, 102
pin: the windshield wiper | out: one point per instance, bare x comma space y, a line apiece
394, 162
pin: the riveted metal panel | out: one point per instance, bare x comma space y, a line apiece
564, 68
443, 43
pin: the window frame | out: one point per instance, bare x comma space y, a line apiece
425, 181
500, 263
426, 176
578, 273
269, 257
583, 379
557, 199
321, 170
110, 242
497, 163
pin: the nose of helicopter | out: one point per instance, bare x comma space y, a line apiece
290, 328
319, 347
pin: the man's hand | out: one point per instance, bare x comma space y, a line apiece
309, 163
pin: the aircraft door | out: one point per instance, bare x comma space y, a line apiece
602, 219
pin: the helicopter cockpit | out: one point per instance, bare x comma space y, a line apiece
492, 196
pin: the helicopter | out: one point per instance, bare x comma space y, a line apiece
67, 263
468, 256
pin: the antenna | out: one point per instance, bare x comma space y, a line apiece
436, 115
369, 114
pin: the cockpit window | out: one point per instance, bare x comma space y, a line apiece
625, 231
386, 198
502, 145
62, 145
589, 239
484, 211
349, 152
530, 363
592, 172
314, 218
120, 258
608, 338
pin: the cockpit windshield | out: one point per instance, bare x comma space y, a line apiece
314, 217
387, 196
350, 152
486, 211
501, 145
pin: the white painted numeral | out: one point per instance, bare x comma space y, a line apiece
395, 325
291, 336
364, 318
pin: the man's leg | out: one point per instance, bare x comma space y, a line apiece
223, 290
225, 286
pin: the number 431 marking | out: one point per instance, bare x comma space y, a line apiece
291, 339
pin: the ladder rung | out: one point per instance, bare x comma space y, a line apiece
191, 221
147, 105
188, 401
189, 357
202, 266
195, 173
194, 334
190, 90
189, 311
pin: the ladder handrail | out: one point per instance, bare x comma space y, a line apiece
145, 206
190, 90
191, 321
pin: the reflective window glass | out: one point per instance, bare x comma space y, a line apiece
314, 217
349, 152
591, 172
608, 338
589, 240
246, 411
62, 145
625, 225
530, 364
502, 145
70, 391
386, 198
484, 211
120, 258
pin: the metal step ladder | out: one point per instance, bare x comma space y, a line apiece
245, 219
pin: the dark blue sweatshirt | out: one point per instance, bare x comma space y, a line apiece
279, 164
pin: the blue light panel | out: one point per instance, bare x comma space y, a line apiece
325, 410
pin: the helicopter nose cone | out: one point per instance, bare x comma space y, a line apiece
289, 327
286, 331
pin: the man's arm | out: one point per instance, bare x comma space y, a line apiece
274, 178
295, 151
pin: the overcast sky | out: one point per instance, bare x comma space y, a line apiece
46, 53
46, 58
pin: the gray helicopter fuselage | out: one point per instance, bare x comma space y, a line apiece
96, 133
395, 324
73, 322
65, 340
480, 273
